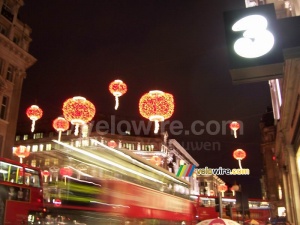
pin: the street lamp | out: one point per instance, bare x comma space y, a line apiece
241, 200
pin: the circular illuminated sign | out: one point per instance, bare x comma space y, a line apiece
256, 39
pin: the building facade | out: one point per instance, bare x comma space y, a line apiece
14, 61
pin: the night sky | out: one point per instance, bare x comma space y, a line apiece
170, 45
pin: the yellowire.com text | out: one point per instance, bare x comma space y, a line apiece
222, 171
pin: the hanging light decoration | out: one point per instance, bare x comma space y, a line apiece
156, 160
34, 113
117, 88
156, 106
22, 152
45, 174
234, 126
65, 172
222, 188
112, 144
239, 155
78, 111
60, 124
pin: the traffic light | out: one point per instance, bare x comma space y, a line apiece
228, 210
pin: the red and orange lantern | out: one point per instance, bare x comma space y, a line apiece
239, 155
34, 113
112, 144
156, 106
65, 172
78, 111
222, 188
155, 160
234, 126
60, 124
45, 174
117, 88
22, 152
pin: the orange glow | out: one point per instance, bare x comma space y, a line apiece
112, 144
223, 188
234, 126
117, 88
156, 160
22, 152
239, 154
34, 113
66, 171
78, 111
156, 106
60, 124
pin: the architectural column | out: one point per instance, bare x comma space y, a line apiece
293, 185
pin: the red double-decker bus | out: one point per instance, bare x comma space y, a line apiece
116, 202
20, 192
259, 209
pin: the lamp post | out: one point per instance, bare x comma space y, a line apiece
239, 199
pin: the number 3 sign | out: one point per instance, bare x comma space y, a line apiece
253, 44
257, 40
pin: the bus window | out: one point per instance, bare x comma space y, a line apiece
11, 173
32, 178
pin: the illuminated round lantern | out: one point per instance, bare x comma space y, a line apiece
156, 106
22, 152
156, 160
235, 188
239, 155
117, 88
211, 193
65, 172
112, 144
60, 124
234, 126
34, 113
45, 174
78, 111
222, 188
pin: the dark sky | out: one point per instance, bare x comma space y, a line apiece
171, 45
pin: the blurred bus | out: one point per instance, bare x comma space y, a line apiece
114, 201
100, 185
20, 192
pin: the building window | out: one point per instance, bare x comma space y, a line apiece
41, 147
6, 11
33, 163
2, 29
25, 137
35, 148
4, 107
48, 147
16, 40
10, 74
279, 192
38, 135
1, 66
18, 138
47, 162
55, 161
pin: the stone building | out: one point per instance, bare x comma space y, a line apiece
15, 59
